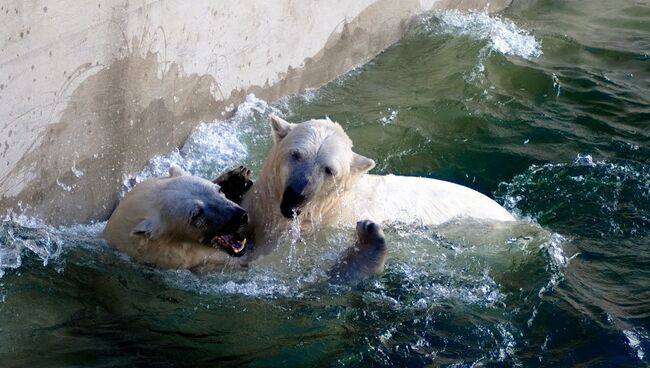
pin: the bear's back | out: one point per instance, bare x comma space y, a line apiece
425, 201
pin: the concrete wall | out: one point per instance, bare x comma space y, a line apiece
91, 90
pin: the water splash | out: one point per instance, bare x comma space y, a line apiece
613, 197
390, 117
261, 282
502, 35
556, 85
77, 172
584, 160
293, 238
212, 147
21, 235
636, 339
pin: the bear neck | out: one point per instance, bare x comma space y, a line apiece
262, 202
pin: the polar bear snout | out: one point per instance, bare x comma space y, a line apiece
213, 218
292, 198
238, 219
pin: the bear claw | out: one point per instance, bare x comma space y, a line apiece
235, 183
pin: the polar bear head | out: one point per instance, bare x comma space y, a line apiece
313, 164
189, 208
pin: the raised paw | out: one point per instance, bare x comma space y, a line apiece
369, 234
363, 260
235, 183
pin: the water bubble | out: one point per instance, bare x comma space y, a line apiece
392, 115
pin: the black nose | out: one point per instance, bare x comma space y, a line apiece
291, 200
238, 219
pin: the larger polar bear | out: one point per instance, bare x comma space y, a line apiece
312, 173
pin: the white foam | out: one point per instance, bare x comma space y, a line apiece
503, 35
634, 341
390, 117
507, 344
584, 160
258, 283
9, 257
212, 148
20, 234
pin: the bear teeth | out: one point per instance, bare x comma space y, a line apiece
230, 244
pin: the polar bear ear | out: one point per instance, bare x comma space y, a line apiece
148, 228
361, 164
280, 127
175, 170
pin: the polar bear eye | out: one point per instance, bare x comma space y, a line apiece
296, 155
329, 171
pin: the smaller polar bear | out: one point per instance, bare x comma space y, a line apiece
175, 222
312, 173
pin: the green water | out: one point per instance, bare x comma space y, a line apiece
546, 108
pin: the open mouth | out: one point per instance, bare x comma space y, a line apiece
290, 212
233, 244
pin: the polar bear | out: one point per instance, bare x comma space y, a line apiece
179, 221
311, 174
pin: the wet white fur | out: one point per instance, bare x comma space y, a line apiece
151, 225
350, 194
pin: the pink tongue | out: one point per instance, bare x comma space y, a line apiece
237, 246
228, 243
